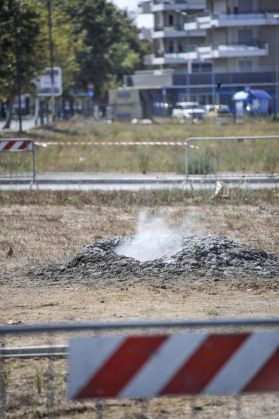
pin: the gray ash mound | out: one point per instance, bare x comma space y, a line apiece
199, 256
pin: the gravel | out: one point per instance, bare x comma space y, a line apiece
201, 257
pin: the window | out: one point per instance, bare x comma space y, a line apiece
245, 36
245, 65
245, 6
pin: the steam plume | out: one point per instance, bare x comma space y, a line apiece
153, 240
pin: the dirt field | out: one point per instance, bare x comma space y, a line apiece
40, 235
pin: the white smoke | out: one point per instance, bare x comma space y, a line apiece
153, 240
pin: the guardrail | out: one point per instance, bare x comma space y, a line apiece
34, 378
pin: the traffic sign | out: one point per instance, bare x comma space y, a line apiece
90, 90
44, 82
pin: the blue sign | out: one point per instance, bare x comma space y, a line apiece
90, 90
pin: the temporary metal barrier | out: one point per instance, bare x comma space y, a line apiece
33, 378
206, 161
19, 145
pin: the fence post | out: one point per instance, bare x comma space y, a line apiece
50, 385
33, 162
2, 380
186, 161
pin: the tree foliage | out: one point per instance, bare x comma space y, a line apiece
110, 46
19, 31
93, 42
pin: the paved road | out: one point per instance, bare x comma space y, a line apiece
134, 181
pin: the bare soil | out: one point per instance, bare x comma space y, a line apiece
36, 236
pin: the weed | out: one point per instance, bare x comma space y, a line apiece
146, 198
212, 312
39, 381
144, 158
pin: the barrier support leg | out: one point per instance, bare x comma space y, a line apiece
186, 162
33, 163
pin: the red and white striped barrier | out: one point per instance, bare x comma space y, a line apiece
179, 364
15, 145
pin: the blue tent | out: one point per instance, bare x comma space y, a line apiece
252, 102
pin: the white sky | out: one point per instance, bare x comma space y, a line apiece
131, 5
126, 4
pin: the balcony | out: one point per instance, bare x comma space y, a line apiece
256, 49
219, 20
165, 5
171, 58
176, 32
245, 19
237, 50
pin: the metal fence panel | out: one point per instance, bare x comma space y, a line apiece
34, 377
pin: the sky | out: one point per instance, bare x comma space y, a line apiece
131, 6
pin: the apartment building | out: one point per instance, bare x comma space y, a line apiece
206, 50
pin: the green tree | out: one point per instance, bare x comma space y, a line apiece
109, 43
65, 44
19, 39
93, 42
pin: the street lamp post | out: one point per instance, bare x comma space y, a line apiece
188, 62
51, 58
18, 69
277, 64
212, 66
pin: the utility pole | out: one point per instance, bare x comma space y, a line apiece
185, 14
51, 58
277, 65
189, 64
213, 66
18, 69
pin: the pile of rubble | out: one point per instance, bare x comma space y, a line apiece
199, 257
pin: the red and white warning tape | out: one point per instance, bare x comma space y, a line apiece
192, 363
116, 143
15, 145
111, 143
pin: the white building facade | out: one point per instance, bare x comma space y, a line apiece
206, 50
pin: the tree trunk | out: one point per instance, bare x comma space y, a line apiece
9, 113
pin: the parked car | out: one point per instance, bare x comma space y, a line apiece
188, 110
218, 112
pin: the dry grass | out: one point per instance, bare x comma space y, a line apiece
53, 227
142, 198
45, 227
